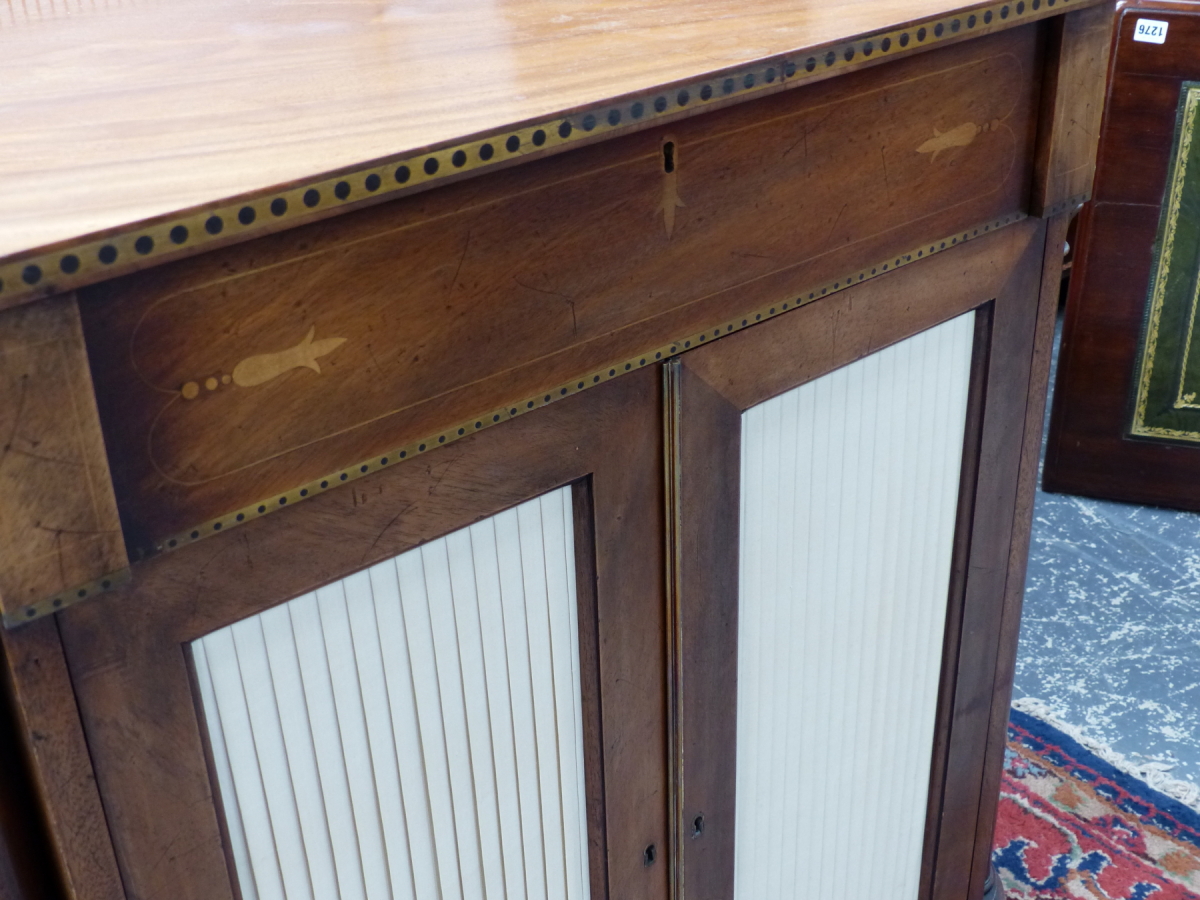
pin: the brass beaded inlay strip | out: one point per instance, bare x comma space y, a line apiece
573, 386
97, 258
1063, 206
65, 598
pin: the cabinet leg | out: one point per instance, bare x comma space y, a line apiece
992, 887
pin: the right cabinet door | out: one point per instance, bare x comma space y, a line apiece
845, 480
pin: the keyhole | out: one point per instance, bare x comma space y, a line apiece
649, 856
698, 826
669, 157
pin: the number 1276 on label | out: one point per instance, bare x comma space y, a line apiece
1151, 31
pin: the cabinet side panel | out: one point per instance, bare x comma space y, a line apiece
849, 496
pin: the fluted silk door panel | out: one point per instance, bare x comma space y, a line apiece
849, 491
414, 730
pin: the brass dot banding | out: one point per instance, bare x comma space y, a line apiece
66, 598
97, 258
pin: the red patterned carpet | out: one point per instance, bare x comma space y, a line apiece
1072, 826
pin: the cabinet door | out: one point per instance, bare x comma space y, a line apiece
844, 489
445, 680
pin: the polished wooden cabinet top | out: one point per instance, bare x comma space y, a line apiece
121, 112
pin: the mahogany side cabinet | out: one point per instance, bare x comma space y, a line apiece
523, 449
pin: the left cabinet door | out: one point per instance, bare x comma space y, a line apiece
444, 680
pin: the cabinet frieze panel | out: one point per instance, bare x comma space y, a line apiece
249, 371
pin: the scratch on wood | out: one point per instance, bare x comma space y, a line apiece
567, 299
445, 470
530, 287
837, 219
384, 530
12, 436
38, 456
461, 260
803, 139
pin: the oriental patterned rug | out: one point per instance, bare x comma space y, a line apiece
1073, 826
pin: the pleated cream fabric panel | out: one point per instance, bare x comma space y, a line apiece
849, 493
413, 731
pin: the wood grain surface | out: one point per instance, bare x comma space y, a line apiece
131, 112
228, 380
59, 529
1088, 451
127, 649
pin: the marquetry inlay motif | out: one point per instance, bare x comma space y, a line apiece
960, 136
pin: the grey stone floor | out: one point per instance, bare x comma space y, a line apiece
1110, 635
